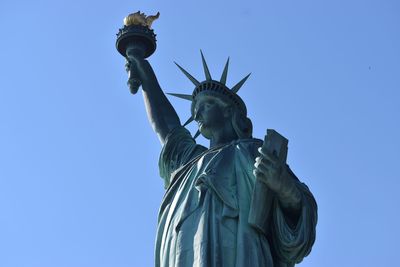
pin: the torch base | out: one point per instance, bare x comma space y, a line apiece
136, 34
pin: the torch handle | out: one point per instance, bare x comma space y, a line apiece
134, 52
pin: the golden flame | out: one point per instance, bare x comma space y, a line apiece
140, 19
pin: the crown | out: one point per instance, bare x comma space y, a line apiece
214, 88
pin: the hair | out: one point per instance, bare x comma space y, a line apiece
242, 124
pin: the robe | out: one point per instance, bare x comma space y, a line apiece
204, 216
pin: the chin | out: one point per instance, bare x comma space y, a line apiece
204, 132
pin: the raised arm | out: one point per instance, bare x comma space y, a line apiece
161, 114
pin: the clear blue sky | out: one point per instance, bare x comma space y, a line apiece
79, 184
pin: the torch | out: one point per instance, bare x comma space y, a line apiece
136, 40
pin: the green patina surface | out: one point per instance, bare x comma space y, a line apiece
236, 203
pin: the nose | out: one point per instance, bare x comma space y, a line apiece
197, 114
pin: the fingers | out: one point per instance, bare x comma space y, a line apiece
264, 168
272, 181
127, 66
267, 155
269, 169
263, 161
267, 161
140, 67
257, 172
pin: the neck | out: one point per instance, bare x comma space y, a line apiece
223, 136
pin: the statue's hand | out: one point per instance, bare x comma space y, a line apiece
268, 170
137, 69
128, 65
134, 81
275, 175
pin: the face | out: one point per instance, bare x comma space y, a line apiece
209, 114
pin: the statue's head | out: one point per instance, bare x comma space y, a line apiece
212, 113
215, 105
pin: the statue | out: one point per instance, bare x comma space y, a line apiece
236, 203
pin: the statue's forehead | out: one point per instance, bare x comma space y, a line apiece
204, 99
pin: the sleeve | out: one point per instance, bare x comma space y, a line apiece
179, 149
293, 242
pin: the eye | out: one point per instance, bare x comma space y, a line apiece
208, 104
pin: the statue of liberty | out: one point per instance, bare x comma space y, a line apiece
235, 203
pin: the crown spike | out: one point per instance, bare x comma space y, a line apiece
190, 77
236, 88
206, 70
196, 134
183, 96
188, 121
225, 72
